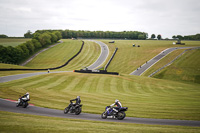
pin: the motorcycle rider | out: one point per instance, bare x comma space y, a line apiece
78, 101
26, 97
118, 105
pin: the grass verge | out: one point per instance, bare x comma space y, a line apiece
15, 122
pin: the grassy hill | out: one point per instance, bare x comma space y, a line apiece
56, 55
145, 97
129, 58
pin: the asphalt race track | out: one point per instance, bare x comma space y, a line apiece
151, 62
9, 106
20, 76
103, 56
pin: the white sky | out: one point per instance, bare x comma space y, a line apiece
165, 17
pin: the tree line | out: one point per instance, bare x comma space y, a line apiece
104, 34
66, 34
189, 37
15, 55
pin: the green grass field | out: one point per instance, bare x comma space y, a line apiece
14, 122
56, 55
129, 58
185, 69
12, 42
145, 97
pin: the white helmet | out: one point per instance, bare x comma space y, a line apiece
27, 93
116, 100
78, 97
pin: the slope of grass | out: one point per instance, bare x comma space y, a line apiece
87, 57
145, 97
56, 55
12, 42
129, 58
185, 69
15, 122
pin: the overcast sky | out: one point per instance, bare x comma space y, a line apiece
165, 17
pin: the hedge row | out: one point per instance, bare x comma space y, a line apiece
15, 55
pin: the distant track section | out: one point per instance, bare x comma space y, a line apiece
14, 69
172, 61
139, 71
102, 58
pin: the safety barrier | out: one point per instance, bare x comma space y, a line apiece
110, 59
96, 72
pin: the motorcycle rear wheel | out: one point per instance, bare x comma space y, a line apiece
77, 111
104, 115
121, 115
25, 104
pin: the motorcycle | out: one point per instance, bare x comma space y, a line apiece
73, 108
21, 102
115, 113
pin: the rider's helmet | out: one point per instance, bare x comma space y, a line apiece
27, 93
78, 97
116, 101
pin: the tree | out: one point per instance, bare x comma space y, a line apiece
30, 46
54, 38
174, 37
36, 36
159, 37
45, 39
58, 34
141, 36
179, 37
36, 43
153, 36
3, 36
28, 34
25, 50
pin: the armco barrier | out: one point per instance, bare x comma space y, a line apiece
15, 69
110, 59
96, 72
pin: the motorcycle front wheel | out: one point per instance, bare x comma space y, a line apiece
66, 110
104, 115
